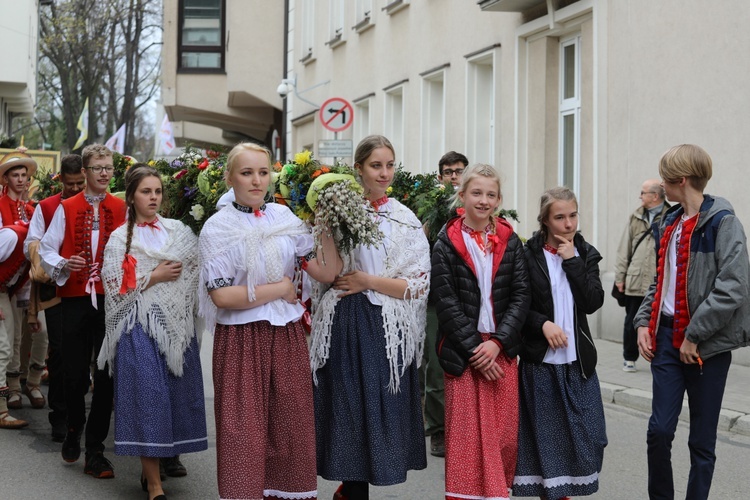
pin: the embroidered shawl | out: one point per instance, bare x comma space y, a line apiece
408, 258
165, 310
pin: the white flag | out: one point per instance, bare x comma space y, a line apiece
117, 141
166, 136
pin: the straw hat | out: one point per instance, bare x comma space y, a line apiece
16, 159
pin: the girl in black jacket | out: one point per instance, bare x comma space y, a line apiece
481, 288
561, 433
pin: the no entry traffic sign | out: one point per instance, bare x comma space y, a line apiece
336, 114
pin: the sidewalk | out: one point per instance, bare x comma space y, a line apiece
633, 390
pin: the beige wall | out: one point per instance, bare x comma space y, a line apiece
18, 71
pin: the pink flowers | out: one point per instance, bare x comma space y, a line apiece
180, 174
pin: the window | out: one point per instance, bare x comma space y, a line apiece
307, 31
480, 116
335, 22
394, 118
362, 15
433, 120
570, 114
361, 119
202, 26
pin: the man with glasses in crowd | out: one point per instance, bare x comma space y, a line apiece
450, 168
72, 252
636, 262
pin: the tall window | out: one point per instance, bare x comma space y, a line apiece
433, 120
363, 9
201, 46
336, 20
361, 119
570, 113
480, 117
307, 30
394, 119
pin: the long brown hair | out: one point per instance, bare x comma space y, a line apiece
550, 196
133, 178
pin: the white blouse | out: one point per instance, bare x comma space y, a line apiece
564, 309
371, 260
225, 271
483, 265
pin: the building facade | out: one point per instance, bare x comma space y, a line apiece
19, 36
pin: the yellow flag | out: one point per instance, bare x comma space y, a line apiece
83, 125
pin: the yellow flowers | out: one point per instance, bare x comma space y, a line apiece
389, 190
303, 158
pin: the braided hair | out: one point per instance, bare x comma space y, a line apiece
133, 178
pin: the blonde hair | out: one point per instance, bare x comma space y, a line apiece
686, 160
479, 170
550, 196
240, 148
93, 151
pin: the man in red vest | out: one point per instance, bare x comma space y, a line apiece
72, 251
73, 182
13, 268
16, 169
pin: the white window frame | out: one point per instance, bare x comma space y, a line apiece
475, 105
570, 107
363, 119
433, 120
335, 22
362, 11
307, 31
394, 118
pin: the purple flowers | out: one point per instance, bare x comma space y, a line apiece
176, 164
190, 192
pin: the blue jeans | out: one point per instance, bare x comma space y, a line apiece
671, 378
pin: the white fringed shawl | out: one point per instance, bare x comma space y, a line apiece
408, 258
227, 231
165, 310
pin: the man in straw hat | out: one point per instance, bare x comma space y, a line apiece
15, 169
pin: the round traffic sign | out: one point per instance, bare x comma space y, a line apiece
336, 114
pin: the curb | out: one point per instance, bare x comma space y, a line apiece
637, 399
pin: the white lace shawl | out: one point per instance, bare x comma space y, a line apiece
408, 258
165, 310
226, 231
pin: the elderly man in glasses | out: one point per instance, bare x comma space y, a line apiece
636, 262
71, 252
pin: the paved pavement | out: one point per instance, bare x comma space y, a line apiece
633, 390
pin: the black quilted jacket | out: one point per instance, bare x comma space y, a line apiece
457, 297
583, 276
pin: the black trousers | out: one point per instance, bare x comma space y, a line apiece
83, 330
629, 335
56, 394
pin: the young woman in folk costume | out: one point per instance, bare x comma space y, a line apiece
367, 337
481, 286
150, 278
265, 433
562, 433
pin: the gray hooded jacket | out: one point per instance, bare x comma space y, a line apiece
718, 283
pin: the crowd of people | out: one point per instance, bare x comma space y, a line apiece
512, 398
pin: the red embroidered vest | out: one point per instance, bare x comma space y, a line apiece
12, 210
48, 207
10, 266
681, 306
79, 219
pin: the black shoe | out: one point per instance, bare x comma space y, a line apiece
98, 466
58, 432
437, 444
173, 467
71, 447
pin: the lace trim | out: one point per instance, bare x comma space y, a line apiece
94, 198
556, 481
290, 495
219, 283
247, 210
58, 269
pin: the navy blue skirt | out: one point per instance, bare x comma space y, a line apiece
156, 413
561, 432
364, 432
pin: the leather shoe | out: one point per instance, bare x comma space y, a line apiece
437, 444
36, 398
8, 422
71, 447
14, 400
173, 467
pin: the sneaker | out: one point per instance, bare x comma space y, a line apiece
98, 466
629, 366
71, 447
437, 444
173, 467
